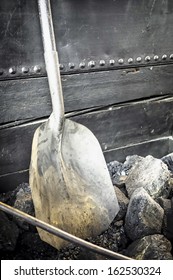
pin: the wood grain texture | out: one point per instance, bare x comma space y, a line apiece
132, 123
124, 125
15, 148
157, 148
30, 99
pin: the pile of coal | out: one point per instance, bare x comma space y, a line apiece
143, 228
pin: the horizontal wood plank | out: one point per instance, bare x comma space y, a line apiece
30, 99
156, 148
121, 126
132, 123
11, 181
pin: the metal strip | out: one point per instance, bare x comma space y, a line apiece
17, 72
62, 234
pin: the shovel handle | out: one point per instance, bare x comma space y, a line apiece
51, 61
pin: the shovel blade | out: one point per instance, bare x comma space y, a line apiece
71, 186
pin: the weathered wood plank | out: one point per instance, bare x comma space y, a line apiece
29, 98
121, 126
11, 181
131, 123
15, 148
157, 148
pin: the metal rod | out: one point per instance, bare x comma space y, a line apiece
46, 22
62, 234
52, 62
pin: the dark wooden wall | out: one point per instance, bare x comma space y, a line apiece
117, 76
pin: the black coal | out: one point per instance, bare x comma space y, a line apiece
19, 240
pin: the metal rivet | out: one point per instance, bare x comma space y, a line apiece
120, 61
25, 69
92, 63
139, 59
12, 70
130, 60
171, 56
61, 66
156, 57
111, 62
1, 72
82, 65
164, 56
37, 69
102, 62
71, 65
147, 58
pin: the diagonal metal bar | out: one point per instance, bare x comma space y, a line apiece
62, 234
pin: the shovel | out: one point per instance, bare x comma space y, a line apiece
70, 183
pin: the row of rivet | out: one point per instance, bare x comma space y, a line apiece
92, 64
120, 61
25, 70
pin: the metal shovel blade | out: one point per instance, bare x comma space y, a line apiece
71, 186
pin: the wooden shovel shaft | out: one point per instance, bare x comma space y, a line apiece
60, 233
52, 61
